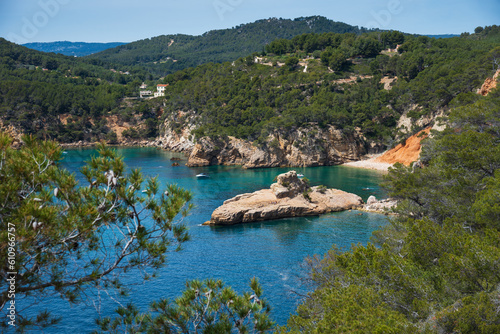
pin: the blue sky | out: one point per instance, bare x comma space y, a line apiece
23, 21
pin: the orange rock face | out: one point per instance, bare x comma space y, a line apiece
405, 153
489, 84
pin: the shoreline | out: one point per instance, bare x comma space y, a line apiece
370, 163
82, 144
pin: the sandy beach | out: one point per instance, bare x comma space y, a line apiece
370, 163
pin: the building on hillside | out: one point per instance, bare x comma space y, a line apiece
144, 93
160, 90
144, 86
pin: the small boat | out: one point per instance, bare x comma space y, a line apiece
202, 175
300, 175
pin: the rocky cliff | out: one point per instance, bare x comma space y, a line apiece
300, 147
407, 152
176, 134
288, 197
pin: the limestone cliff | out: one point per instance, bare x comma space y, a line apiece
175, 136
288, 197
299, 147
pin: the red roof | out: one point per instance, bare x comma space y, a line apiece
162, 85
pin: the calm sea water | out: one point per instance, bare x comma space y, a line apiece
273, 251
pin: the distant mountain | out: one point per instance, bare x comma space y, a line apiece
442, 36
168, 53
78, 49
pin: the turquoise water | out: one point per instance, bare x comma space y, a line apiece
273, 251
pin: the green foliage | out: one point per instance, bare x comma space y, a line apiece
70, 237
339, 309
391, 39
78, 49
37, 90
437, 267
249, 100
472, 149
470, 315
204, 307
291, 62
167, 54
322, 189
252, 101
306, 194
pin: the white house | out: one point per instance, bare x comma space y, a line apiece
160, 90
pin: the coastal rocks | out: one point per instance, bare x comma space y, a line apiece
301, 147
382, 206
288, 197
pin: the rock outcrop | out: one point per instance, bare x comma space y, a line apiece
288, 197
407, 152
175, 138
489, 84
382, 206
298, 148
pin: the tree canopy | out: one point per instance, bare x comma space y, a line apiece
69, 237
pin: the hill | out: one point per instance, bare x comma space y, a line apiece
354, 92
297, 94
61, 97
77, 49
168, 53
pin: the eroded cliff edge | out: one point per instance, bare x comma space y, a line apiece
299, 147
288, 197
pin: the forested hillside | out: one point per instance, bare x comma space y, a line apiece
63, 98
332, 79
168, 53
318, 79
434, 269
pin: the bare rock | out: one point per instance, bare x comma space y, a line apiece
311, 146
371, 200
283, 202
382, 206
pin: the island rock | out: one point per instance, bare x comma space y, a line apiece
288, 197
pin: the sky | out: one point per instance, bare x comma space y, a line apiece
24, 21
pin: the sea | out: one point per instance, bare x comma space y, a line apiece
275, 251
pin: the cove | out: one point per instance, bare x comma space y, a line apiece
273, 251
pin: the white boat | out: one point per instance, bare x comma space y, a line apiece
201, 175
300, 175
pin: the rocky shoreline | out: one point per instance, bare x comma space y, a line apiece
289, 197
132, 143
297, 147
383, 206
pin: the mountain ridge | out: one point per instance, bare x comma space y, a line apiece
166, 54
